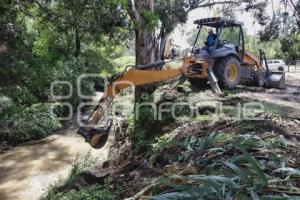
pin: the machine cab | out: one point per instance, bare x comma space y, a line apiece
229, 37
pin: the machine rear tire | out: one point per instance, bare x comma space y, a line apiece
228, 72
198, 83
259, 78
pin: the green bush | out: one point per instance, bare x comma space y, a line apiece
37, 77
122, 62
143, 125
63, 190
38, 80
5, 104
19, 94
162, 143
95, 192
20, 125
136, 133
147, 125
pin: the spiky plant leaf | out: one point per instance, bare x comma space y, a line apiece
280, 198
215, 180
255, 166
192, 193
243, 176
172, 195
253, 194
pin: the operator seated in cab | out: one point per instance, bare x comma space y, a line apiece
211, 39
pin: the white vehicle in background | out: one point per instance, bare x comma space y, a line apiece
277, 65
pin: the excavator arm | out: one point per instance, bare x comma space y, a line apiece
132, 77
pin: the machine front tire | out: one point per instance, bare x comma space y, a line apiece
228, 72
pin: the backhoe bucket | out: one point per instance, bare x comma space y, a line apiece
275, 80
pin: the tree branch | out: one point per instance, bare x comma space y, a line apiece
297, 12
217, 3
134, 14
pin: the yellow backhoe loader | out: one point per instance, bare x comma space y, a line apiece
222, 65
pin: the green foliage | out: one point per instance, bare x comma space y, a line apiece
82, 163
84, 22
20, 95
70, 70
253, 44
94, 192
124, 61
138, 136
142, 126
45, 46
171, 13
147, 123
206, 187
20, 125
150, 19
49, 42
272, 48
63, 189
162, 143
7, 107
291, 47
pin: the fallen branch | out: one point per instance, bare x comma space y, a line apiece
144, 190
282, 189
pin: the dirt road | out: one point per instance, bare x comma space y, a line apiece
284, 102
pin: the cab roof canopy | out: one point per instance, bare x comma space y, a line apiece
217, 22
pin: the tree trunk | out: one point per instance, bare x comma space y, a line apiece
145, 41
145, 50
